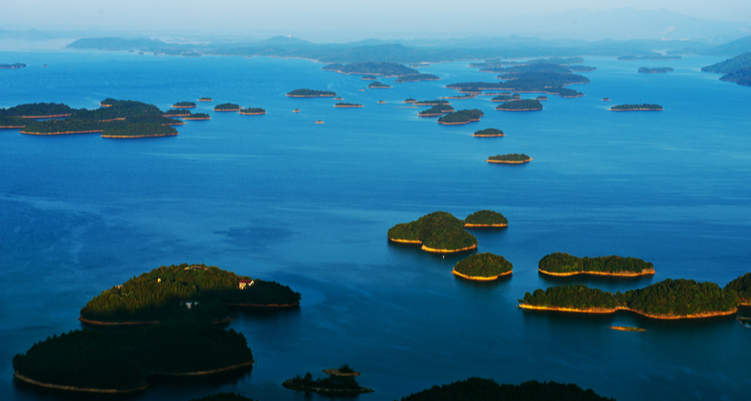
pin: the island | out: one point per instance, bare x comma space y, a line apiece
378, 85
63, 127
668, 299
334, 384
296, 110
195, 292
38, 111
307, 93
437, 232
198, 117
436, 111
319, 122
381, 102
511, 158
184, 105
476, 388
227, 107
488, 133
177, 113
384, 69
652, 56
205, 99
461, 117
12, 122
659, 70
742, 287
565, 265
506, 98
343, 370
485, 218
541, 98
253, 111
343, 105
430, 102
482, 267
628, 328
410, 100
369, 77
636, 107
15, 66
338, 98
521, 105
548, 78
606, 99
417, 78
736, 69
133, 131
121, 361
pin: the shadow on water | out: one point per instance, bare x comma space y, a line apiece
265, 314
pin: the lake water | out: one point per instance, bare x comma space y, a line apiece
278, 197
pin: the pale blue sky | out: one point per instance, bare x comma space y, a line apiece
297, 17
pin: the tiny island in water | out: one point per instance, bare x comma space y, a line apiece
511, 158
461, 117
253, 111
307, 93
483, 267
521, 105
659, 70
378, 85
344, 105
184, 105
485, 219
488, 133
636, 107
340, 382
227, 107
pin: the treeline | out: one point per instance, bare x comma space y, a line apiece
487, 389
483, 265
486, 216
133, 130
253, 110
437, 230
461, 117
123, 359
310, 93
227, 107
37, 110
12, 66
417, 78
742, 287
379, 85
510, 157
521, 105
506, 97
564, 263
185, 104
636, 107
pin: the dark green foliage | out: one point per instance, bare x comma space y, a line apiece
378, 85
311, 93
435, 110
483, 265
417, 78
204, 99
177, 113
67, 125
511, 157
373, 68
565, 92
659, 70
437, 230
565, 263
410, 100
679, 298
253, 110
223, 397
477, 389
117, 109
37, 110
486, 216
184, 104
730, 65
226, 106
160, 295
345, 369
344, 104
741, 77
12, 122
12, 66
574, 296
644, 106
138, 130
155, 119
524, 104
461, 116
369, 77
651, 56
199, 115
122, 359
489, 132
742, 287
431, 102
506, 98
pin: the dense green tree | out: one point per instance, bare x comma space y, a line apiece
564, 263
477, 389
483, 265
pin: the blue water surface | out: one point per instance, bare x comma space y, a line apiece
280, 198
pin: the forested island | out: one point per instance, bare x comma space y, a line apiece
417, 78
334, 384
177, 113
15, 66
488, 133
438, 232
12, 122
636, 107
343, 105
506, 98
545, 78
378, 85
369, 77
668, 299
658, 70
482, 267
310, 93
477, 389
137, 130
461, 117
180, 292
384, 69
736, 69
652, 56
521, 105
197, 117
253, 111
563, 264
121, 361
462, 97
485, 218
410, 100
436, 111
542, 98
742, 287
205, 99
38, 111
431, 102
184, 105
227, 107
511, 158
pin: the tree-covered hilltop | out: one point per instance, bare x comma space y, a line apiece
223, 397
310, 93
542, 82
431, 102
564, 263
651, 56
15, 66
331, 385
488, 132
437, 230
736, 63
461, 117
521, 105
137, 130
162, 293
417, 78
347, 105
658, 70
668, 299
637, 107
510, 158
378, 85
227, 107
252, 111
436, 111
67, 126
742, 287
12, 122
384, 69
124, 359
483, 265
37, 110
506, 98
477, 389
486, 218
741, 77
